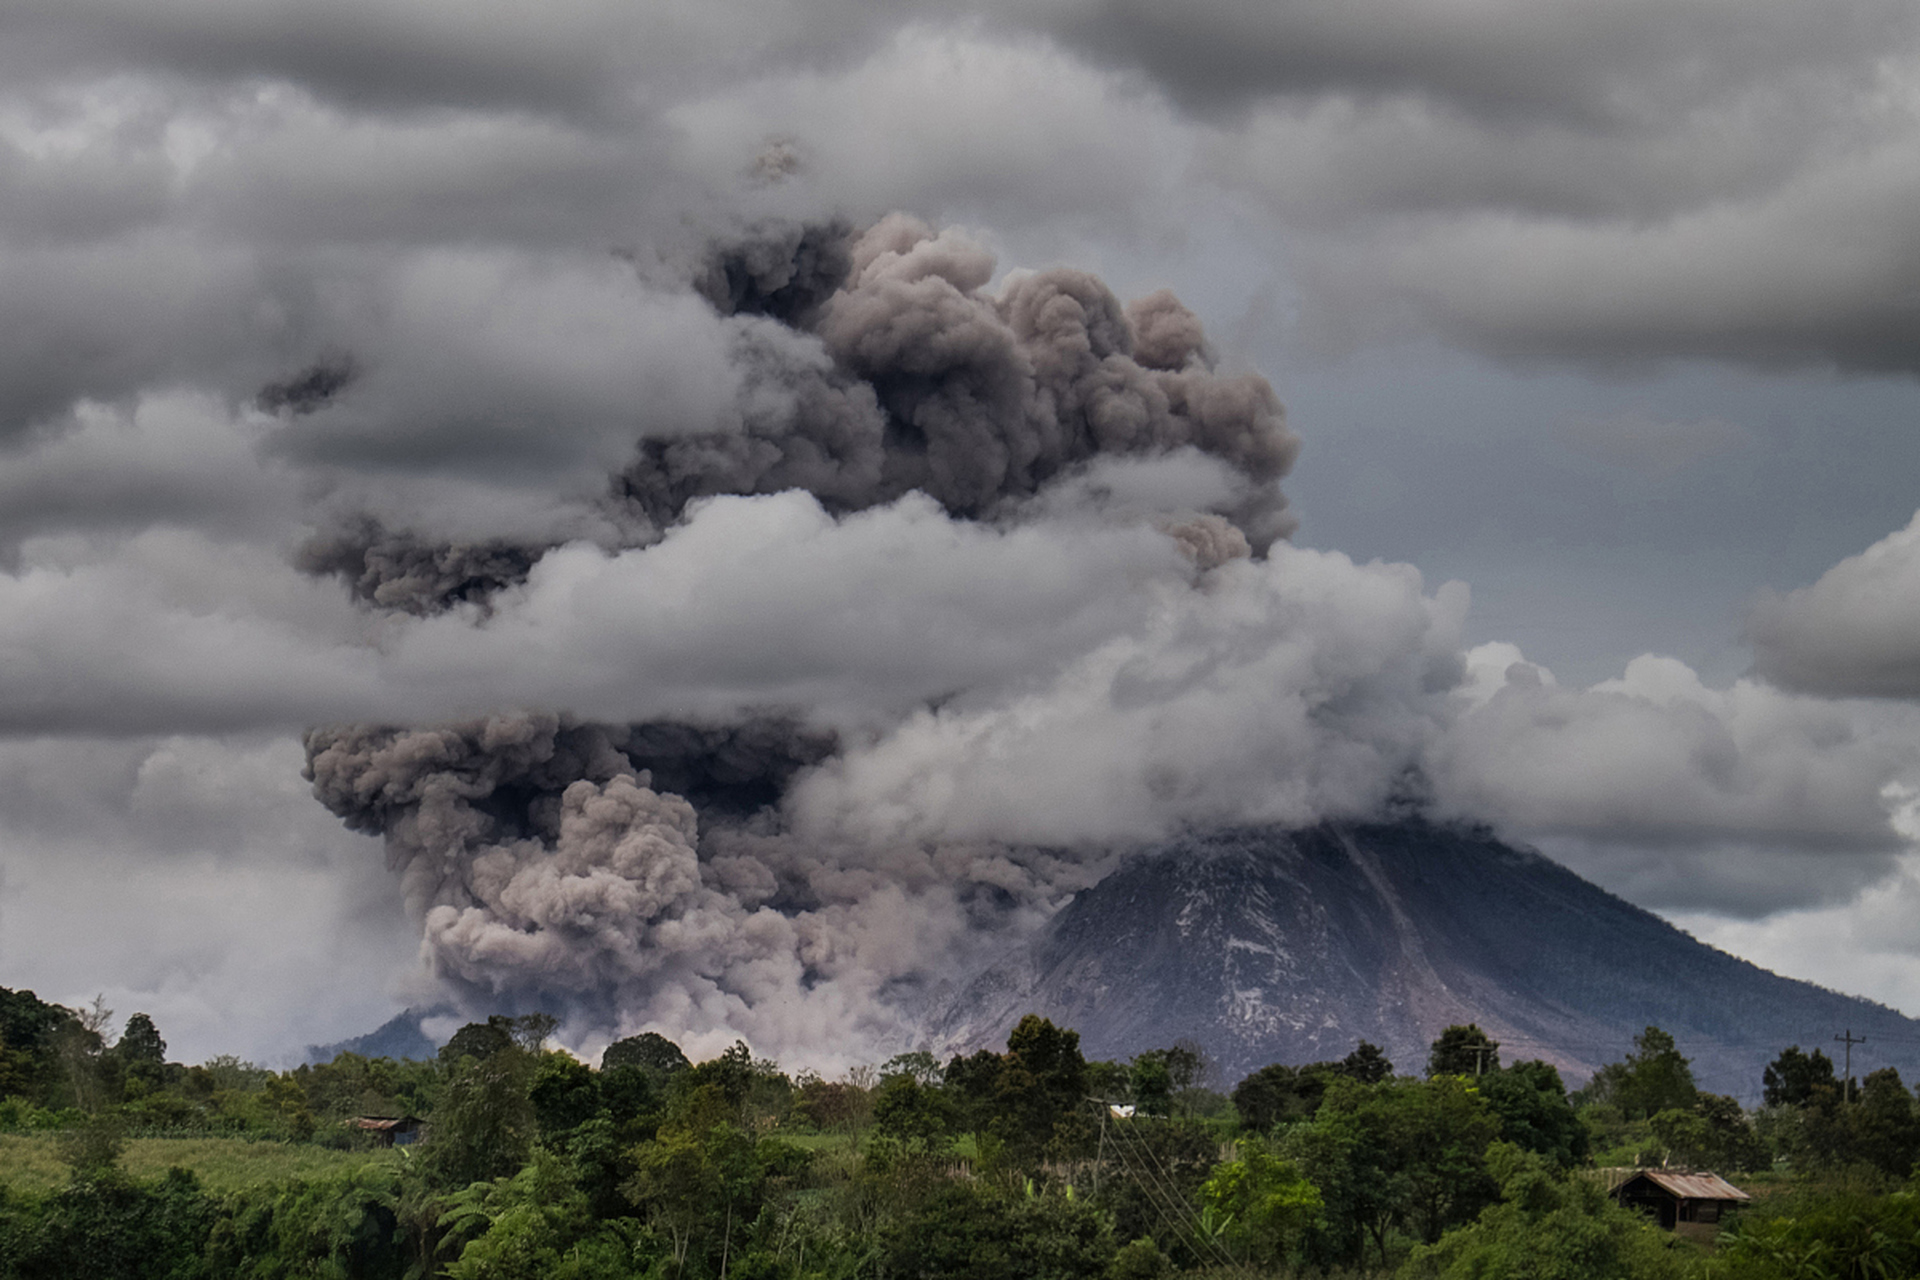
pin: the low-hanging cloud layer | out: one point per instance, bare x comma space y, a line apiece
733, 605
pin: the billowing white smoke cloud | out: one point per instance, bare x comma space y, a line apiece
1748, 799
1282, 691
1855, 632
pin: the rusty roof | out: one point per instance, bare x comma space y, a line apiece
1693, 1186
380, 1123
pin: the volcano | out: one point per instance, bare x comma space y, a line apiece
1266, 945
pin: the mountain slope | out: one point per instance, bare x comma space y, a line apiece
1274, 946
401, 1036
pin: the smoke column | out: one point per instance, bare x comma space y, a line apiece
741, 875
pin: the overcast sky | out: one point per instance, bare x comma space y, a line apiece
1597, 322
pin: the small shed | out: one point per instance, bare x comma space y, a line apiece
1688, 1202
391, 1131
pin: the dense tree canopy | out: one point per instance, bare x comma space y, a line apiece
538, 1165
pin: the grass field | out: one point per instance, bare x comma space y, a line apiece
31, 1162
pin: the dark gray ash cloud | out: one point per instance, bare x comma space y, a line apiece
547, 865
877, 363
309, 390
398, 571
937, 385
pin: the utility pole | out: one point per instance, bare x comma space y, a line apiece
1846, 1072
1101, 1156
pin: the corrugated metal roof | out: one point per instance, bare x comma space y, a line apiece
382, 1123
1695, 1186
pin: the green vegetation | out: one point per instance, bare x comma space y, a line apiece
1029, 1162
34, 1162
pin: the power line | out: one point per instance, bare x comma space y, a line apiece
1157, 1184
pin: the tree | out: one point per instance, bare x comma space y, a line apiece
1279, 1094
1534, 1111
1268, 1096
478, 1040
80, 1049
141, 1043
565, 1094
1110, 1081
1041, 1089
1263, 1204
30, 1042
831, 1104
1366, 1063
484, 1125
93, 1150
964, 1231
286, 1104
111, 1227
1463, 1051
140, 1057
530, 1030
918, 1117
974, 1085
1884, 1128
695, 1182
650, 1051
1731, 1143
1654, 1077
1796, 1079
1161, 1081
1186, 1064
1405, 1152
1150, 1084
727, 1082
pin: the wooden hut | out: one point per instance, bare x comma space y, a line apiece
390, 1131
1689, 1203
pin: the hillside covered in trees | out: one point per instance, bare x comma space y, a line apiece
1029, 1161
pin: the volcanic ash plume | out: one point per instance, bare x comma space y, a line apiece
545, 869
865, 367
402, 572
917, 378
683, 875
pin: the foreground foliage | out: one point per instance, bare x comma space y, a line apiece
1030, 1162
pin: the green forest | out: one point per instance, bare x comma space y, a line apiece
1028, 1162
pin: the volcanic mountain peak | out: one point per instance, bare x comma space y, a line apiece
1268, 945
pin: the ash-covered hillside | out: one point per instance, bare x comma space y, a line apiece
1265, 945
